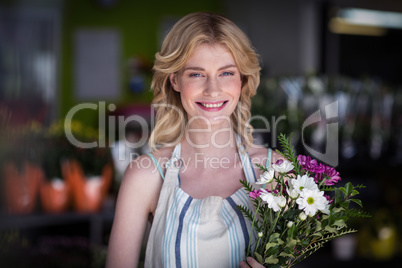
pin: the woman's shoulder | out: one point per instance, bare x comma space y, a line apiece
143, 178
149, 164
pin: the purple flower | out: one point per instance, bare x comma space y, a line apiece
279, 162
303, 160
255, 193
310, 164
328, 198
320, 168
333, 174
321, 171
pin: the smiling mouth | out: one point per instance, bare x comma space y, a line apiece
212, 105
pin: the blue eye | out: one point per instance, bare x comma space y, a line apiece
227, 73
195, 75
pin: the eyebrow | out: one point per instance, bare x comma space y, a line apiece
202, 69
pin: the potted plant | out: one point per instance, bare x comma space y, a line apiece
89, 172
19, 168
55, 190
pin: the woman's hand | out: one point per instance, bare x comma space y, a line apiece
250, 263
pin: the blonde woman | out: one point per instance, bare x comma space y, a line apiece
189, 186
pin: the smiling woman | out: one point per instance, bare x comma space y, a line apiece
179, 45
204, 75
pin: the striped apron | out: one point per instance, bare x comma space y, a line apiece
189, 232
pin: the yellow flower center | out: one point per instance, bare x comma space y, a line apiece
310, 200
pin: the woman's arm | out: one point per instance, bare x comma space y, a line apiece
137, 199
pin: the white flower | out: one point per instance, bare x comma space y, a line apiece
274, 202
265, 195
292, 192
282, 166
302, 216
290, 223
266, 177
281, 201
296, 186
260, 234
326, 209
303, 182
311, 201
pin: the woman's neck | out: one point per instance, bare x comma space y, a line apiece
214, 141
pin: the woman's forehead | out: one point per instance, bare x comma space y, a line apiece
206, 54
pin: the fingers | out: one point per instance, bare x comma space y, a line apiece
250, 263
243, 264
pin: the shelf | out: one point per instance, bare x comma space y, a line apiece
96, 222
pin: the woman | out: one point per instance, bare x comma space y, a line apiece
204, 78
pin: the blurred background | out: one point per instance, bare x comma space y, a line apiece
75, 109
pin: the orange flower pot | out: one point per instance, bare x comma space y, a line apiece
88, 193
54, 196
21, 187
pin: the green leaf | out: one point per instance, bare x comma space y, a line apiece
258, 257
247, 185
292, 232
305, 243
261, 167
325, 217
272, 251
288, 151
271, 260
330, 229
336, 210
317, 225
284, 254
360, 186
269, 245
274, 237
291, 243
248, 214
338, 196
279, 242
340, 223
349, 188
357, 201
307, 232
355, 192
318, 234
343, 190
357, 213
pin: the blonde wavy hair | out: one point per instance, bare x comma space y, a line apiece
189, 32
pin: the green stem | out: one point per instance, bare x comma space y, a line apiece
258, 243
252, 227
274, 224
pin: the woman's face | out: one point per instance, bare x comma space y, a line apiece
209, 84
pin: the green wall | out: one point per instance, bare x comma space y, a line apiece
138, 23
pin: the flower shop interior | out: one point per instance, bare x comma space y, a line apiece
75, 94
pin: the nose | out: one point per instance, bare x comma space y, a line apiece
212, 87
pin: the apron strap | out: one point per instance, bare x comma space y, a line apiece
156, 164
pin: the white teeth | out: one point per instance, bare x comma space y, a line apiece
212, 105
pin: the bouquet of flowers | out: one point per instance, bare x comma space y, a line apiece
298, 210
